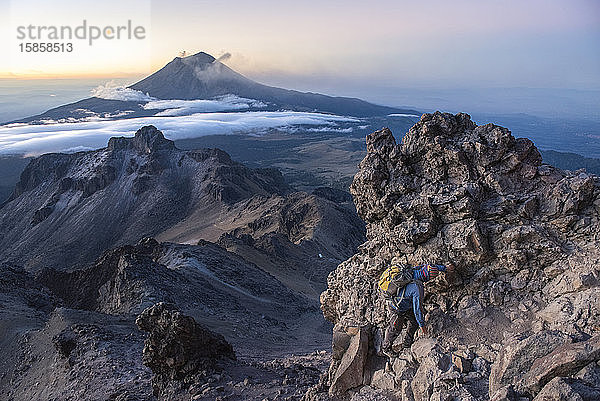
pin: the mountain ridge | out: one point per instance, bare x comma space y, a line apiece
58, 190
524, 237
69, 208
201, 76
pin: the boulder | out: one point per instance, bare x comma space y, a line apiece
429, 371
517, 356
424, 347
383, 380
367, 393
506, 393
565, 389
590, 374
178, 350
350, 370
563, 361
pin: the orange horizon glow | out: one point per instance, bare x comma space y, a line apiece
42, 76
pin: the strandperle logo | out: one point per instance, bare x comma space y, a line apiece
90, 33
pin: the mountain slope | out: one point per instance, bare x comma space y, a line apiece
520, 317
68, 208
201, 76
70, 335
571, 161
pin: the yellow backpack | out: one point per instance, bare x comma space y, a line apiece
394, 278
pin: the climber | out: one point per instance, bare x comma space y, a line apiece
407, 306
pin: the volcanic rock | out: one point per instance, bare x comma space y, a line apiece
179, 349
68, 208
525, 238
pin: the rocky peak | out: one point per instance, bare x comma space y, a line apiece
178, 350
524, 237
147, 139
198, 59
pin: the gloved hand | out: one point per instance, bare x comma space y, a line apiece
450, 268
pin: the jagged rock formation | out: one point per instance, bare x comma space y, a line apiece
520, 317
179, 350
68, 208
218, 288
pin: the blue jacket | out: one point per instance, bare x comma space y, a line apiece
412, 295
413, 298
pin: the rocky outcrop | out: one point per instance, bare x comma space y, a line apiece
350, 347
68, 208
524, 235
178, 350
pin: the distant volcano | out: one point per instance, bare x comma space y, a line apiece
201, 76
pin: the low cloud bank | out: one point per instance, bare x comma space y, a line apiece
56, 137
116, 92
403, 115
182, 107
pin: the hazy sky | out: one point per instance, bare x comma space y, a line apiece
539, 43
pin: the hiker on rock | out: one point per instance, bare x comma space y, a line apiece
402, 286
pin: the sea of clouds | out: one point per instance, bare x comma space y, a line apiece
177, 119
36, 139
176, 107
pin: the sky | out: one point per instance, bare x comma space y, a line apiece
525, 43
540, 57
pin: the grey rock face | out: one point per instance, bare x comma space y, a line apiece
517, 356
178, 349
563, 361
565, 389
350, 345
67, 209
525, 238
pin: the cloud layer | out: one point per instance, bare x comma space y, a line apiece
37, 139
115, 92
183, 107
